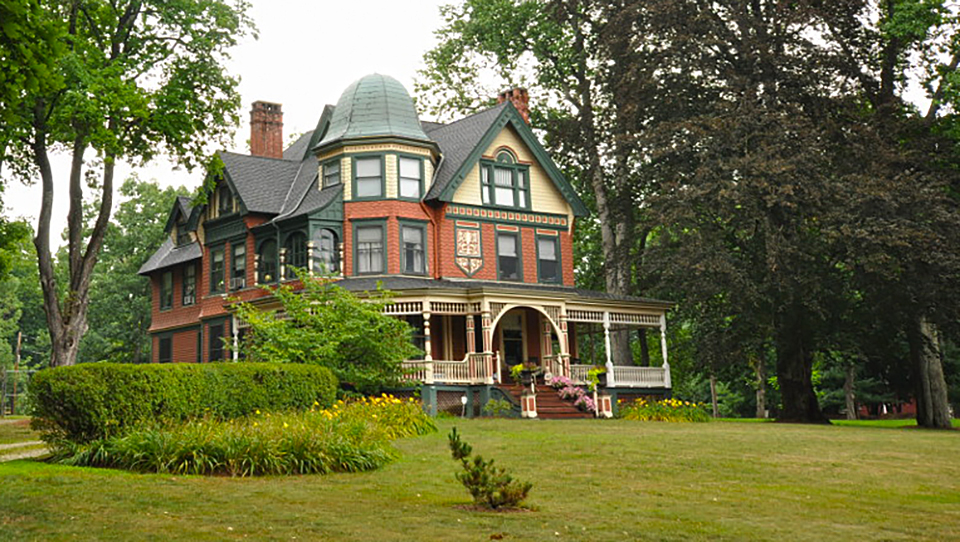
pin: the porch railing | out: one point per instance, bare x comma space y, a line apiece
625, 376
475, 368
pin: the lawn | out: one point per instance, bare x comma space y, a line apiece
16, 429
594, 480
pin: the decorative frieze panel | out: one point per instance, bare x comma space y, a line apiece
469, 256
404, 307
446, 307
518, 217
636, 319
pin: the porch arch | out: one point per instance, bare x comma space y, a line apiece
556, 326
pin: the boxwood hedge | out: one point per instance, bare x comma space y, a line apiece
93, 401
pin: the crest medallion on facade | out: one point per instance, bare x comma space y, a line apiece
469, 248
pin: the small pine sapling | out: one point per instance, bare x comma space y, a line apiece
489, 486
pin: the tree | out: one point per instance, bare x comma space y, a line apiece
326, 325
134, 234
133, 79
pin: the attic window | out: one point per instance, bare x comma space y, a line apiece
183, 235
224, 200
505, 183
331, 173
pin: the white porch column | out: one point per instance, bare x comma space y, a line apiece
546, 344
611, 380
427, 342
663, 350
310, 258
283, 265
235, 351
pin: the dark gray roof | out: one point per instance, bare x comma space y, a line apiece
169, 255
317, 199
298, 149
262, 183
398, 284
186, 204
457, 140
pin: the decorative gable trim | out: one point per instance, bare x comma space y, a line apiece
509, 115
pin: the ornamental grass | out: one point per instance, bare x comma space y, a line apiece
347, 437
664, 410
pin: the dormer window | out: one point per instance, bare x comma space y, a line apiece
183, 236
331, 173
224, 200
505, 183
368, 177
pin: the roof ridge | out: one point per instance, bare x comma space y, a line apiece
470, 116
258, 156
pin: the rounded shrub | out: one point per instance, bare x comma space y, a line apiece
86, 402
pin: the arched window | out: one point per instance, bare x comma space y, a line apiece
267, 258
296, 254
326, 252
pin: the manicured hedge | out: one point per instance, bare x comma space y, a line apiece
92, 401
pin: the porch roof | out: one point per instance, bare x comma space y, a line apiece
402, 285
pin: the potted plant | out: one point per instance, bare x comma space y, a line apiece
516, 373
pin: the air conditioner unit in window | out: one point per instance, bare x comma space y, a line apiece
189, 300
237, 283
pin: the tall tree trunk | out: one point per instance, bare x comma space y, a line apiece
848, 393
794, 370
713, 395
933, 408
644, 347
761, 370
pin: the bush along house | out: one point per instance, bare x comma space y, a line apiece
470, 224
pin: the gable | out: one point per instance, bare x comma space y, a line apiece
544, 195
507, 119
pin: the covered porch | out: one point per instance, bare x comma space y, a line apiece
475, 341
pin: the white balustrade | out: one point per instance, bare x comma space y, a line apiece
578, 373
640, 377
480, 371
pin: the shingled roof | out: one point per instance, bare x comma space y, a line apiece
169, 255
457, 140
262, 183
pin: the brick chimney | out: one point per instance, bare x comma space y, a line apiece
519, 98
266, 130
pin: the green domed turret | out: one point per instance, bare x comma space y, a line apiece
374, 106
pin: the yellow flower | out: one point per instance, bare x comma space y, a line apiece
285, 425
258, 411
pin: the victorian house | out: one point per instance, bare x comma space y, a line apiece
470, 224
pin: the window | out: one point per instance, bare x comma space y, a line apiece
183, 236
224, 200
548, 259
200, 345
508, 256
267, 262
166, 290
417, 336
369, 249
166, 350
189, 284
295, 255
216, 270
369, 177
215, 335
326, 252
238, 266
505, 183
331, 173
413, 260
411, 177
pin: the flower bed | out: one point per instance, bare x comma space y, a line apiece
568, 391
347, 437
665, 410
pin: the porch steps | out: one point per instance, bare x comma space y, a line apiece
549, 404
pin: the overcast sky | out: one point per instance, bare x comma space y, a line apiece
306, 55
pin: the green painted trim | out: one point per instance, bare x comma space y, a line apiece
224, 228
363, 222
422, 226
233, 189
516, 169
377, 140
422, 176
383, 176
172, 330
556, 242
210, 291
511, 116
496, 243
306, 260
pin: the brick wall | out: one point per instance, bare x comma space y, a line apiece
392, 211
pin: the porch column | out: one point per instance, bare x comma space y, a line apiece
283, 265
256, 269
471, 336
427, 343
235, 354
663, 350
486, 324
611, 382
310, 257
546, 344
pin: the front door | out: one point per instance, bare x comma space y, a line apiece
511, 340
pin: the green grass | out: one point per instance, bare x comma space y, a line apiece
889, 423
13, 430
593, 481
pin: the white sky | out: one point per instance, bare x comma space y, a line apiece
307, 53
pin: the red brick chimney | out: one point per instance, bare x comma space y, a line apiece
519, 98
266, 130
